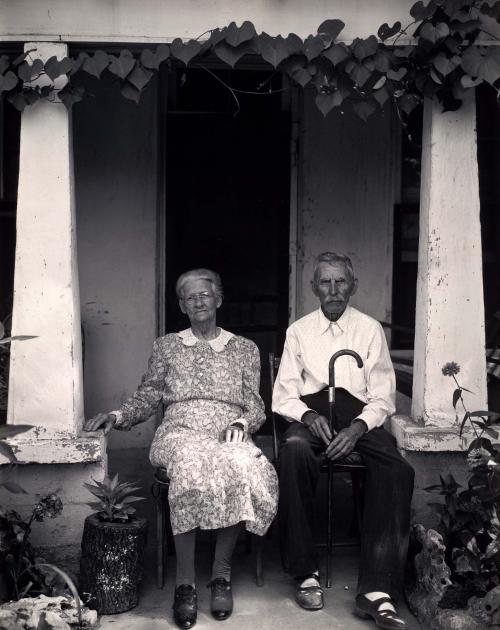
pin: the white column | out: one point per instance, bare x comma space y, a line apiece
450, 311
45, 386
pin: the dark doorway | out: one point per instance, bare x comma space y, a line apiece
227, 200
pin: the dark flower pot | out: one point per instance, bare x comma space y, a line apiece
111, 563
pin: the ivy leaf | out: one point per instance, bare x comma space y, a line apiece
364, 109
332, 28
229, 54
464, 28
55, 68
358, 72
482, 62
386, 31
77, 63
13, 487
469, 82
122, 66
434, 34
139, 77
337, 53
421, 12
8, 81
444, 65
273, 49
25, 71
130, 92
96, 64
217, 35
383, 60
397, 75
381, 96
408, 102
327, 101
294, 44
363, 48
235, 36
300, 74
184, 51
4, 63
313, 46
69, 95
152, 60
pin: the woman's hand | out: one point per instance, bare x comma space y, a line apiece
104, 421
236, 433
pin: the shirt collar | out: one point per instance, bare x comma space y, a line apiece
338, 327
218, 344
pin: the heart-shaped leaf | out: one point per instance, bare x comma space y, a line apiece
122, 66
397, 75
482, 62
332, 28
8, 81
69, 95
97, 63
434, 34
130, 92
364, 109
273, 49
229, 54
408, 102
420, 11
383, 60
358, 72
325, 102
78, 63
217, 35
184, 51
4, 63
363, 48
294, 44
235, 36
337, 53
149, 59
299, 73
386, 31
313, 46
24, 72
444, 65
139, 77
52, 68
381, 96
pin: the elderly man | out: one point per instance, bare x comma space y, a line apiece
365, 398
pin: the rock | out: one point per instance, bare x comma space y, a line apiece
433, 574
31, 611
487, 608
8, 620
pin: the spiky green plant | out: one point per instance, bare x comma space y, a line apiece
113, 499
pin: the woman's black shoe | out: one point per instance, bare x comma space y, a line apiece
185, 606
222, 599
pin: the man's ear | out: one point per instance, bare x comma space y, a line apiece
181, 306
314, 287
354, 286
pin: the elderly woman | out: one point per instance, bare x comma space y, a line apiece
208, 380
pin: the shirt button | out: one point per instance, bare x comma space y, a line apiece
201, 359
200, 373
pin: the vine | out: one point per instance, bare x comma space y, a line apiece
446, 60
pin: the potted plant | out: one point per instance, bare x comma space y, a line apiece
112, 547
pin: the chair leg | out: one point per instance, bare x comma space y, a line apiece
160, 533
329, 532
259, 576
356, 494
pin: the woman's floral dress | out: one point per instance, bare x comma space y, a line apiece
205, 386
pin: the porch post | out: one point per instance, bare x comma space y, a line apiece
45, 387
450, 310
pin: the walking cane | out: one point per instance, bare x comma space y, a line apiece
332, 423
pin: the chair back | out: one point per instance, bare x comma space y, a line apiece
274, 364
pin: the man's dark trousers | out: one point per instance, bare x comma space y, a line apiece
388, 490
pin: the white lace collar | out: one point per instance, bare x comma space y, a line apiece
218, 344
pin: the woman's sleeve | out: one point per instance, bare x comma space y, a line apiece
253, 407
144, 402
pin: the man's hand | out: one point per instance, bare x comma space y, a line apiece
104, 421
318, 426
344, 442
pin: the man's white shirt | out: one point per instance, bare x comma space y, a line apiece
311, 341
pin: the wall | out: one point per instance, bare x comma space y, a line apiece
158, 20
116, 185
349, 185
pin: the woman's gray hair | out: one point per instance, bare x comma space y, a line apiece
200, 274
332, 258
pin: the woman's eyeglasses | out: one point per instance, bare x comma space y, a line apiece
204, 296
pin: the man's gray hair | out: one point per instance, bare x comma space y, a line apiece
332, 258
200, 274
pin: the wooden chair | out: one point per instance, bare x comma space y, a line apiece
353, 465
164, 538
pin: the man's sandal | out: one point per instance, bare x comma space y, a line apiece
385, 619
309, 597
